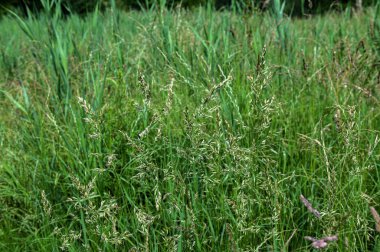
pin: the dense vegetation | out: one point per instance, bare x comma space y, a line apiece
189, 130
292, 7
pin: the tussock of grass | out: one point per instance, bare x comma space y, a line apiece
189, 130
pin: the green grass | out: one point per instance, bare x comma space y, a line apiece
189, 131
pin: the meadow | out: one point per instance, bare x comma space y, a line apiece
189, 130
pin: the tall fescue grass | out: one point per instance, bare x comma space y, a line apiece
175, 130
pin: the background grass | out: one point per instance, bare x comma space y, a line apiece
188, 130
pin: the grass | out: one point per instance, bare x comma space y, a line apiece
189, 131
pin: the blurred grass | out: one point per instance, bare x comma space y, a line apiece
188, 130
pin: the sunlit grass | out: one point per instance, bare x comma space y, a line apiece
189, 130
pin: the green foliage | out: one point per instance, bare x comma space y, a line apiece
291, 7
282, 30
375, 30
188, 130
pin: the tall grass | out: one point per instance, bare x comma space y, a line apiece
182, 130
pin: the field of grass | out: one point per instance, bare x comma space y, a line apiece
189, 131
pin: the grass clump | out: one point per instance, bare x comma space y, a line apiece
189, 130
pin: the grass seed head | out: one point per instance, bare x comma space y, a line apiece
310, 207
376, 217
